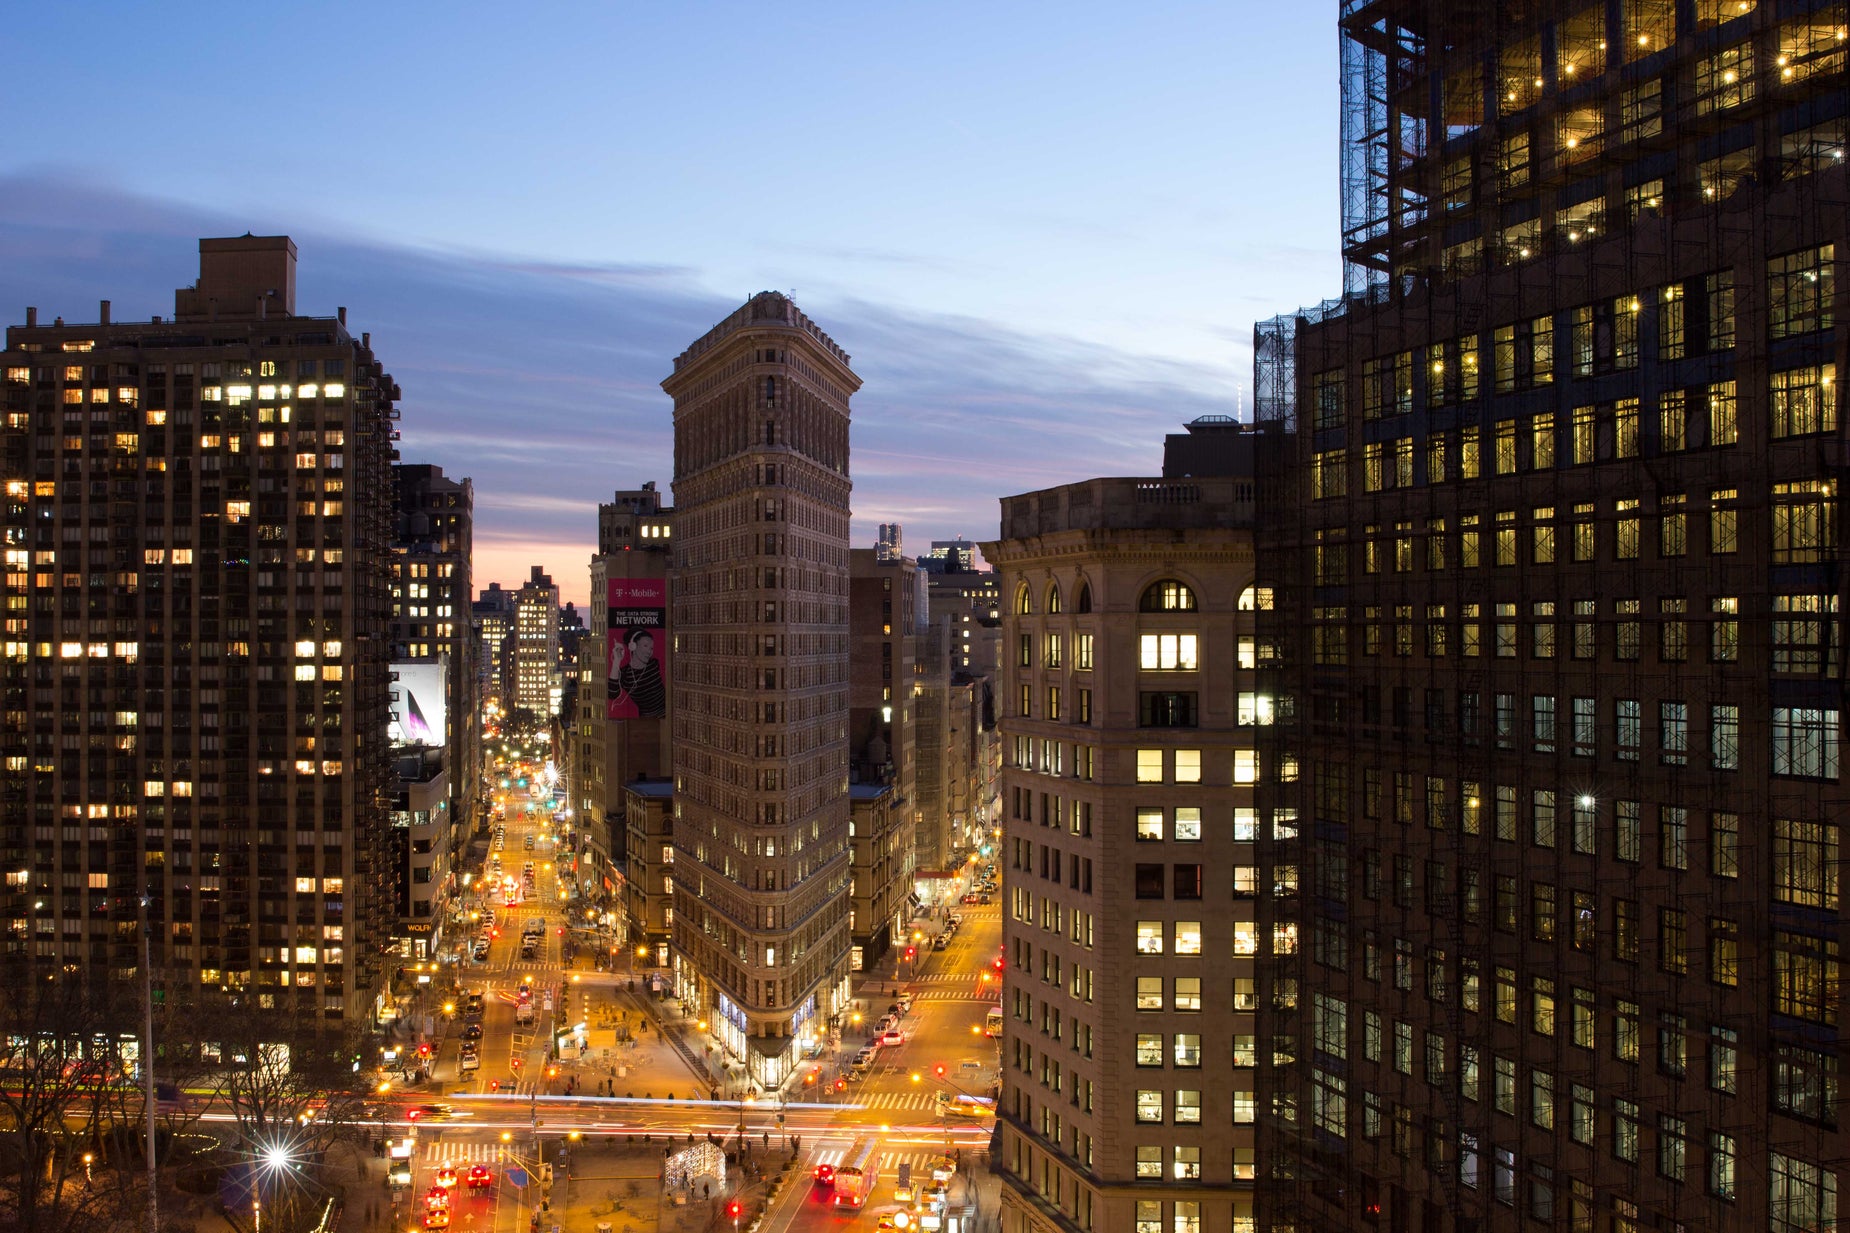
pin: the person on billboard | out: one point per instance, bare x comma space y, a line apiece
639, 678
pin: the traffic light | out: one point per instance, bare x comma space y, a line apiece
733, 1209
911, 951
514, 1062
494, 1085
939, 1070
424, 1049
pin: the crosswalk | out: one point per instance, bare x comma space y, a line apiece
939, 995
898, 1100
921, 1162
462, 1152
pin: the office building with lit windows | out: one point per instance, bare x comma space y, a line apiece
198, 532
759, 682
1557, 559
536, 646
1130, 726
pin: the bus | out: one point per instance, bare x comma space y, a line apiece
992, 1026
857, 1174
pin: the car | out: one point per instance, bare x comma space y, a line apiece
934, 1196
861, 1062
437, 1218
892, 1036
825, 1175
984, 899
480, 1177
446, 1178
885, 1023
969, 898
472, 1032
943, 1168
525, 992
430, 1113
479, 952
941, 941
528, 845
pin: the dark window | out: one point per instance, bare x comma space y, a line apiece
1149, 881
1188, 881
1167, 710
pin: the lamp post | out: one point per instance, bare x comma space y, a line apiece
147, 1063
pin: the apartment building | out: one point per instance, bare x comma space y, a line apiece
1129, 723
199, 529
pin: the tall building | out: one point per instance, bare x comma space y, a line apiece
493, 611
1560, 608
760, 682
891, 544
620, 744
198, 539
1130, 728
536, 646
435, 698
883, 620
949, 556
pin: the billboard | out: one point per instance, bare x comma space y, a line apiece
420, 712
636, 647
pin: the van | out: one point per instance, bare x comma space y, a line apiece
523, 1013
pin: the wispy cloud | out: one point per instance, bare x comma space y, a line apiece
541, 379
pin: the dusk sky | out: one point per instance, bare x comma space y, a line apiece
1043, 231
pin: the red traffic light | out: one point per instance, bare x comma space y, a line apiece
996, 963
841, 1085
939, 1070
424, 1050
910, 952
514, 1062
733, 1209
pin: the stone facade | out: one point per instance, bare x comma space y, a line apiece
760, 681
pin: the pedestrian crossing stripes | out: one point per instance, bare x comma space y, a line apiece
921, 1162
898, 1100
935, 995
464, 1152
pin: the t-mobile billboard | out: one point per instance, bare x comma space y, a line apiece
420, 713
637, 648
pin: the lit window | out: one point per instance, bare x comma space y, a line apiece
1188, 765
1149, 766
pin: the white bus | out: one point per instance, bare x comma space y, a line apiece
857, 1174
992, 1026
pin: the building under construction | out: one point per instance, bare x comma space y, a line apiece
1555, 923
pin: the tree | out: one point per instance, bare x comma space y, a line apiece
66, 1086
297, 1105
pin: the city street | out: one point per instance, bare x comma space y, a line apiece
645, 1080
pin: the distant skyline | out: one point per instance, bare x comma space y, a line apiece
1043, 233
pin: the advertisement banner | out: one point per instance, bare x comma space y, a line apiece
636, 645
420, 712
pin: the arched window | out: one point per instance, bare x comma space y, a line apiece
1256, 599
1053, 599
1084, 602
1168, 596
1024, 602
770, 391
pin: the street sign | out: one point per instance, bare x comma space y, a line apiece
517, 1176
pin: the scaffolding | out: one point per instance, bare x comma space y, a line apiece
1547, 270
